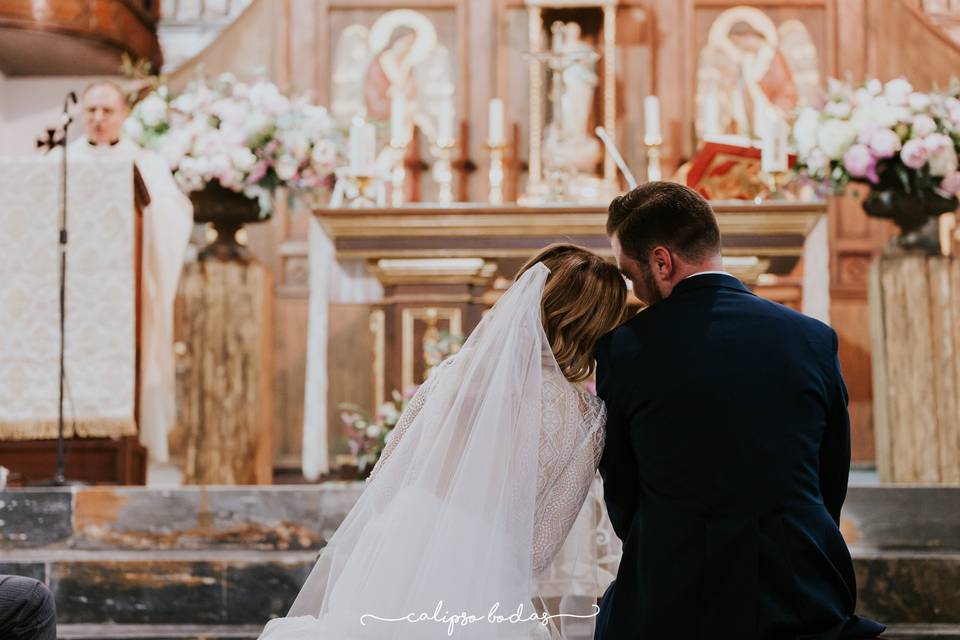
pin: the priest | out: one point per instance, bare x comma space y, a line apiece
167, 223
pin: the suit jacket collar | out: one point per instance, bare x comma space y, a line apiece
710, 281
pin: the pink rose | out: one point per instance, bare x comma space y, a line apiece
259, 170
858, 161
884, 143
951, 182
914, 154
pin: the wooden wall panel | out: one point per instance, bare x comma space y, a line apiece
350, 366
658, 49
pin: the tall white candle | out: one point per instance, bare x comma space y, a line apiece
495, 128
773, 144
398, 121
711, 114
651, 120
445, 118
362, 146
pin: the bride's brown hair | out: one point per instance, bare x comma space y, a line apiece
584, 297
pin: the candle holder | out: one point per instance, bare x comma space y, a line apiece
442, 151
353, 188
399, 172
653, 158
774, 181
496, 175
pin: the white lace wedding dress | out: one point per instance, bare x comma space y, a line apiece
462, 530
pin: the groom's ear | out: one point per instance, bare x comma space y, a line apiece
662, 262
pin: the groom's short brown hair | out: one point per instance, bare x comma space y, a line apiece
667, 214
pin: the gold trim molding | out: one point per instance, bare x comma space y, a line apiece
407, 318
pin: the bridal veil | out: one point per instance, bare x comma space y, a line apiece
446, 530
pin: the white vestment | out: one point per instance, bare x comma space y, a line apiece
167, 223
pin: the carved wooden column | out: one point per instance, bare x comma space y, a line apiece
224, 382
915, 324
422, 297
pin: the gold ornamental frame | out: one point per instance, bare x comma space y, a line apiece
535, 34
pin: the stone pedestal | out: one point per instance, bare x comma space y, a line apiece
915, 327
224, 373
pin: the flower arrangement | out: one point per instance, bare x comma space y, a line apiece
368, 436
251, 138
901, 142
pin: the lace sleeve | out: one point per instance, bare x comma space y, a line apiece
406, 418
563, 501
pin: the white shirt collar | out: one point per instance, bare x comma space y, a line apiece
700, 273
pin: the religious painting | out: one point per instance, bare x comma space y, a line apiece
397, 54
750, 63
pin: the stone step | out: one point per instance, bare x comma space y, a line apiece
247, 632
923, 632
166, 587
214, 517
305, 516
249, 587
908, 586
156, 632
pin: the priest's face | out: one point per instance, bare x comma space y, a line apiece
104, 111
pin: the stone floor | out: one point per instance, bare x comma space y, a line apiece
217, 562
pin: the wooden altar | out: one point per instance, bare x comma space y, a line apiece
442, 266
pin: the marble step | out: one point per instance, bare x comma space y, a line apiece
923, 632
298, 517
215, 517
156, 632
249, 587
246, 632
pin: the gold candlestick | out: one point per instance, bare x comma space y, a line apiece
442, 150
399, 172
352, 186
774, 191
653, 158
495, 175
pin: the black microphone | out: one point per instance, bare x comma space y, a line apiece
67, 118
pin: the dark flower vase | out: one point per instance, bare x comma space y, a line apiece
227, 211
915, 214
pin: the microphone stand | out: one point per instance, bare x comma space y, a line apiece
58, 138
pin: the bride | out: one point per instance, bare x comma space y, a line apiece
482, 479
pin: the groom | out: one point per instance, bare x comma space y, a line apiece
727, 448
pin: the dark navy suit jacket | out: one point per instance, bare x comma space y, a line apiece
724, 469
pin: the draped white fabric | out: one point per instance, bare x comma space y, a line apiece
477, 490
330, 282
100, 342
816, 273
167, 223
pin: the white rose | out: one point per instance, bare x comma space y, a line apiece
953, 109
323, 154
153, 110
286, 167
255, 124
817, 163
898, 90
837, 109
923, 126
133, 129
943, 155
373, 431
884, 143
242, 158
805, 130
862, 96
835, 137
875, 87
919, 101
